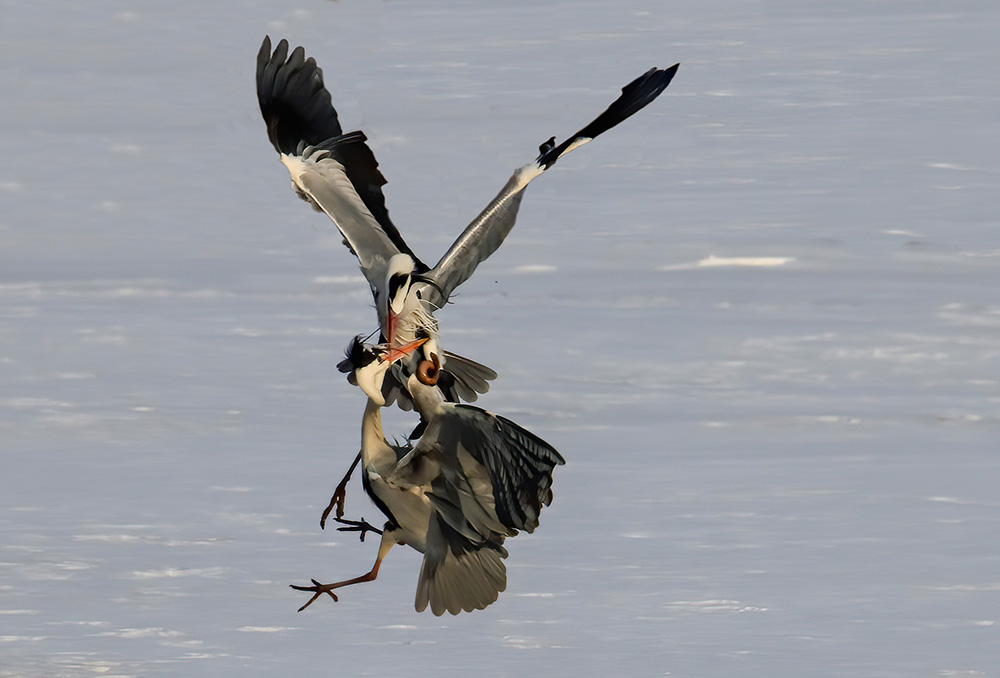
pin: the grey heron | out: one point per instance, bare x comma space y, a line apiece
337, 174
472, 480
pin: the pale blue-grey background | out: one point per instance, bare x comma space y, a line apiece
782, 465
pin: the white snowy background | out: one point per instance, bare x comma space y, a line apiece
760, 320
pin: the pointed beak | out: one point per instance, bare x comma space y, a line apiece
371, 377
393, 322
394, 353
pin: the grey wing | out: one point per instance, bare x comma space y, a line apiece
299, 114
320, 178
460, 379
485, 234
519, 464
464, 379
480, 239
490, 479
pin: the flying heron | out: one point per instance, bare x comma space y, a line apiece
472, 480
337, 174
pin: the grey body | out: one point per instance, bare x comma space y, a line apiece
471, 480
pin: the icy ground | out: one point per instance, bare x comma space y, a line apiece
760, 320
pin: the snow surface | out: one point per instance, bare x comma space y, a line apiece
762, 320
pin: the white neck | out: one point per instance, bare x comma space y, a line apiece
375, 451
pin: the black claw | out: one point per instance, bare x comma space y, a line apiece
317, 589
339, 494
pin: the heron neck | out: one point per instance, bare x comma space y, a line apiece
427, 400
372, 437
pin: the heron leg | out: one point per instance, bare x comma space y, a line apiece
339, 496
318, 589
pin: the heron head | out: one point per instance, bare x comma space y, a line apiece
359, 358
370, 363
398, 278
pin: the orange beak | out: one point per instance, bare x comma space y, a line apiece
392, 322
394, 353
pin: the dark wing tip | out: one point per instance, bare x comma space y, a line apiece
653, 82
264, 53
298, 111
640, 93
634, 97
294, 102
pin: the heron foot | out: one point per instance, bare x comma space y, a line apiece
337, 501
339, 495
317, 589
361, 526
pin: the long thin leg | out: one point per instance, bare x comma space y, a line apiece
339, 495
319, 589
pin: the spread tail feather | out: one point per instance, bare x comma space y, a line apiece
457, 574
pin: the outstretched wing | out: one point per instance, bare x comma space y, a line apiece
336, 172
499, 471
487, 231
486, 478
323, 181
295, 104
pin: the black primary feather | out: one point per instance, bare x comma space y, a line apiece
520, 466
299, 113
635, 96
